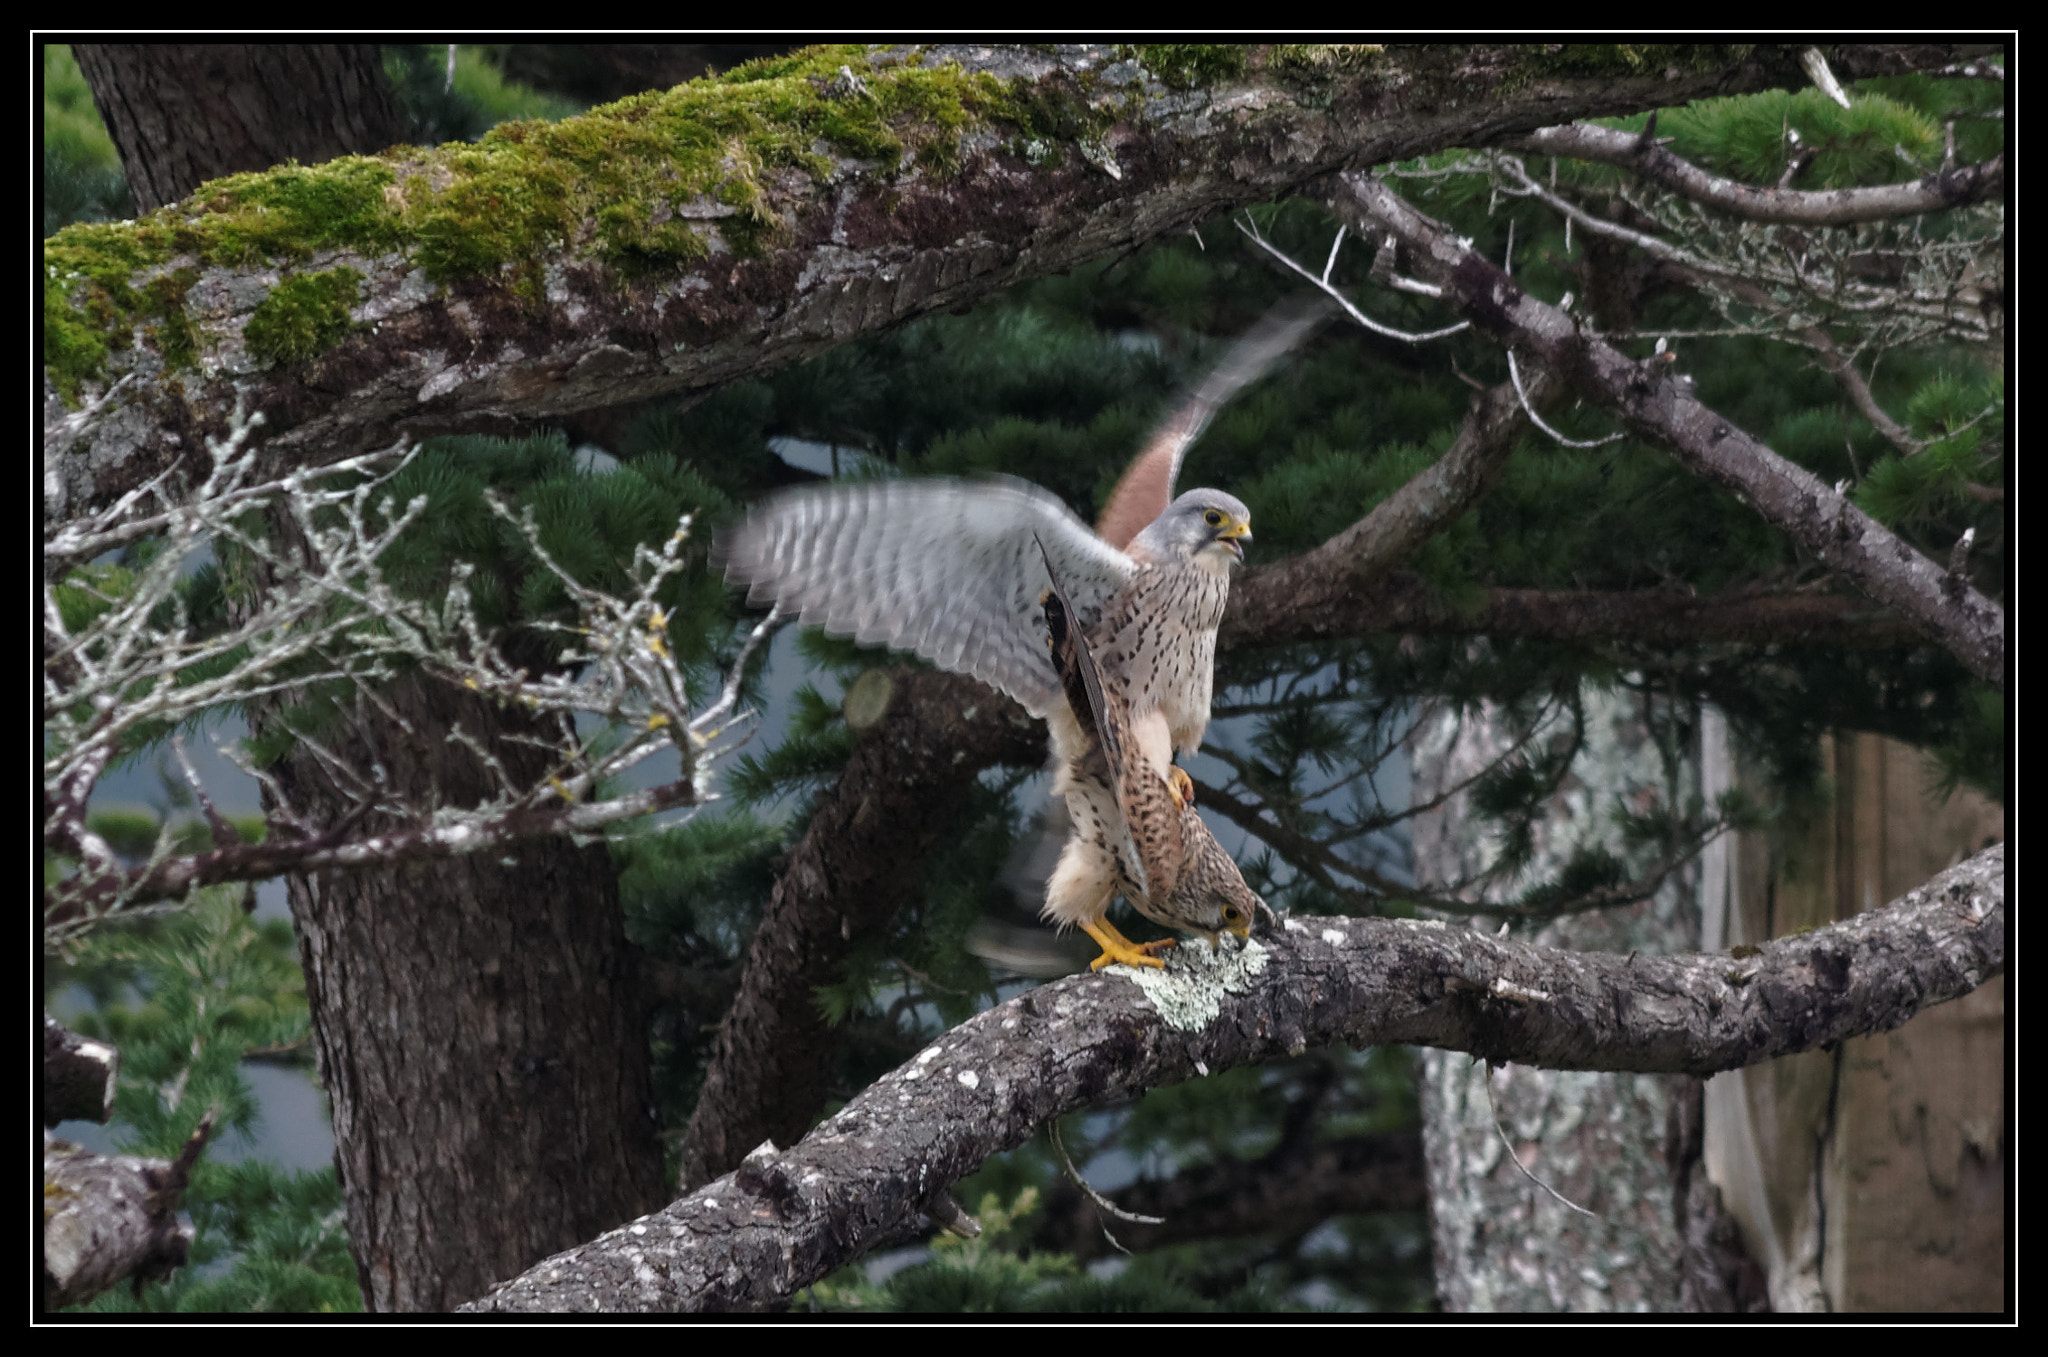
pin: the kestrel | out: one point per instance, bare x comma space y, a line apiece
953, 571
1168, 864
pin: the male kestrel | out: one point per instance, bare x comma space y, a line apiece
953, 571
1168, 864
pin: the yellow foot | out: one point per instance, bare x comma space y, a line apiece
1181, 785
1118, 948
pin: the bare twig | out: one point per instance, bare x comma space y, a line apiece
136, 662
1822, 520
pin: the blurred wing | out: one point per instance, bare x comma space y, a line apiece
1147, 486
949, 570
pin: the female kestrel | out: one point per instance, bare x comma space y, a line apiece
953, 571
1168, 864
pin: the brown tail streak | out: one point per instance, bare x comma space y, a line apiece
1076, 666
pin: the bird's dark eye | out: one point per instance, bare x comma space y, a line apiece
1213, 517
1230, 911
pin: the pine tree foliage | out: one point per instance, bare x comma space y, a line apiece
186, 998
82, 178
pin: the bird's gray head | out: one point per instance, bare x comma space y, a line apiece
1203, 525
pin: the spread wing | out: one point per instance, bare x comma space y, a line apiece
1152, 823
1147, 485
950, 570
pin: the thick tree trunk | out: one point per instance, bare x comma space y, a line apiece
477, 1020
183, 113
478, 1028
1601, 1140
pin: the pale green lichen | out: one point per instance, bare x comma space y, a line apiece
1188, 994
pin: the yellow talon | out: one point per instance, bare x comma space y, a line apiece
1116, 948
1181, 785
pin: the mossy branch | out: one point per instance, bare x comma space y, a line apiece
679, 240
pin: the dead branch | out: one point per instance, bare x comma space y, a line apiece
136, 661
1956, 186
107, 1218
1661, 408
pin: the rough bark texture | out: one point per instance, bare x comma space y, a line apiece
786, 1218
183, 113
78, 1075
476, 1021
1870, 1176
1716, 1274
478, 1027
768, 1068
859, 246
108, 1218
1659, 407
1504, 1244
490, 293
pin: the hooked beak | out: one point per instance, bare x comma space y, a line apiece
1236, 537
1243, 931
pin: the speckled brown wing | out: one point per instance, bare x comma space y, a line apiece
1147, 485
1170, 866
1152, 845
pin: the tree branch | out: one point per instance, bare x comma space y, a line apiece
767, 1070
78, 1075
1957, 186
107, 1217
608, 259
787, 1218
1659, 408
1670, 618
1293, 597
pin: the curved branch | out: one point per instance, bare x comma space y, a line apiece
608, 259
1957, 186
1664, 410
767, 1070
787, 1218
1298, 594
